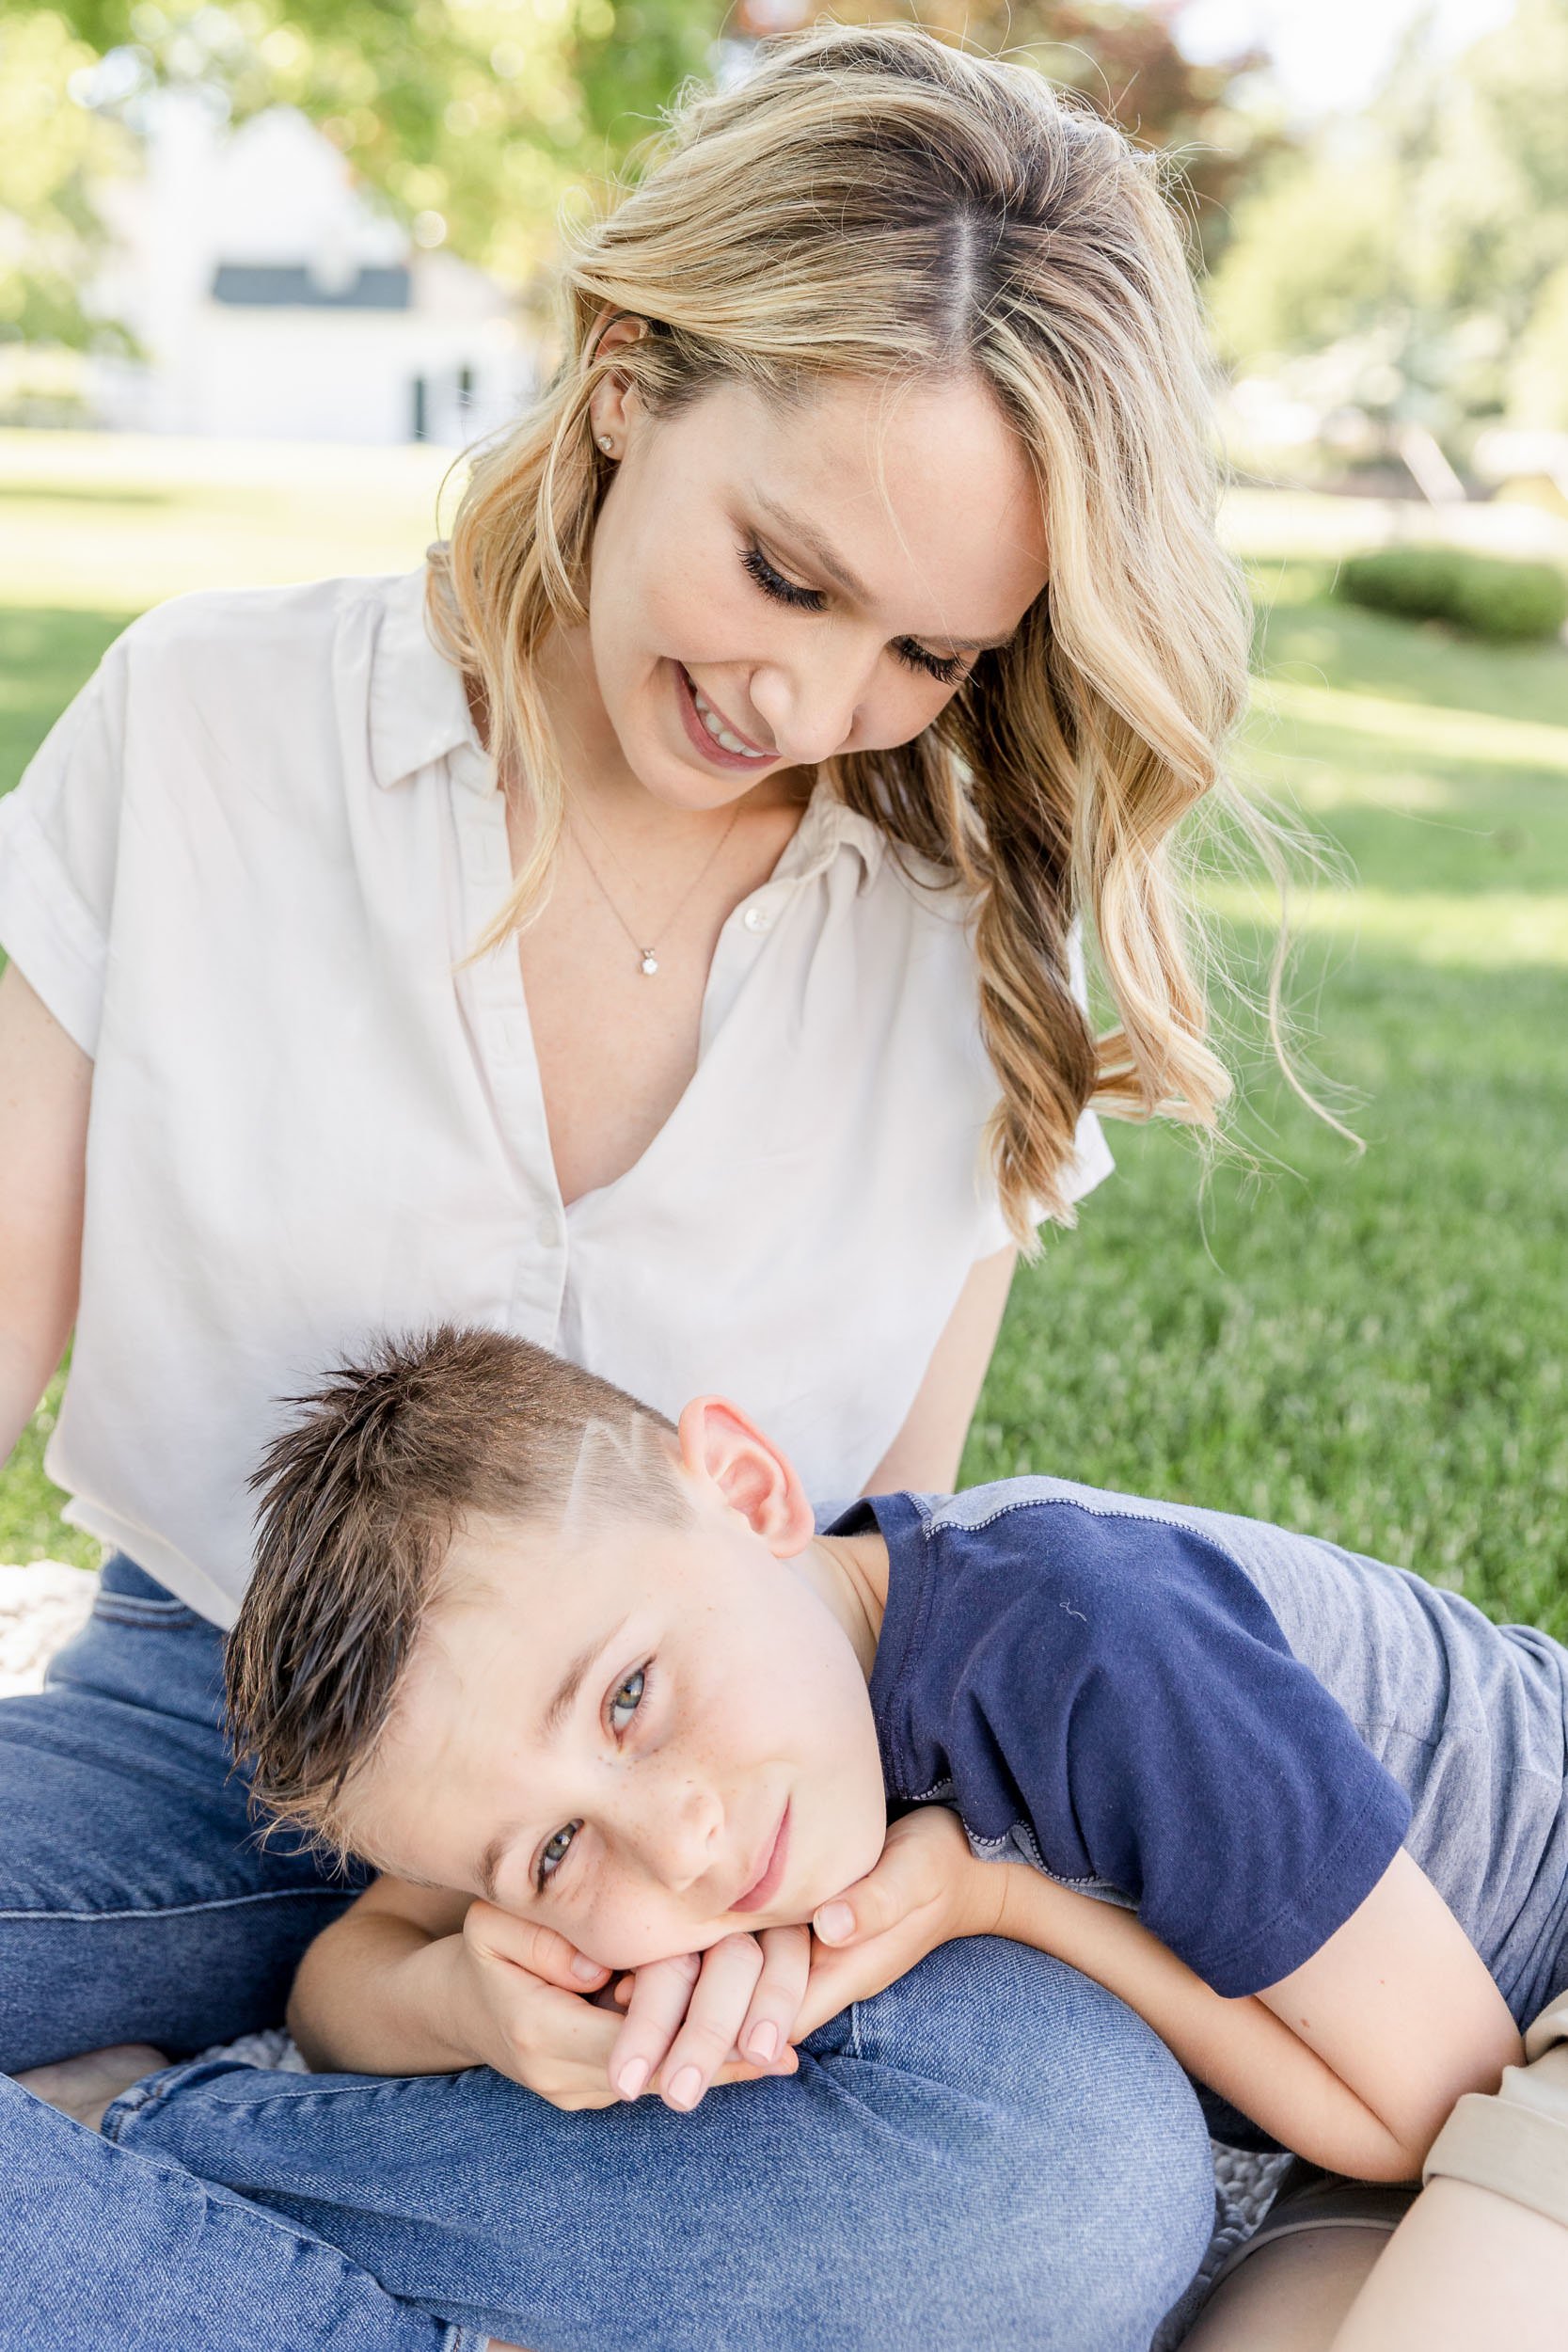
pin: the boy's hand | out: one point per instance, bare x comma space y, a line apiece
927, 1890
698, 2020
519, 1999
524, 2001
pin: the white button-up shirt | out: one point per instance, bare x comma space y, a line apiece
243, 872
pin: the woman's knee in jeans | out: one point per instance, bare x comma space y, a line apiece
1106, 2176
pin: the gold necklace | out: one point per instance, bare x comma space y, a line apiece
646, 958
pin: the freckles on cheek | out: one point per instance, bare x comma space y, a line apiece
629, 1934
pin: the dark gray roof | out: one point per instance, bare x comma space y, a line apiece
278, 286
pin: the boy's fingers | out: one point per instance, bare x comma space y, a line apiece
540, 1950
707, 2038
907, 1877
873, 1904
781, 1989
660, 1995
741, 2070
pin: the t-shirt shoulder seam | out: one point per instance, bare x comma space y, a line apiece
1139, 1517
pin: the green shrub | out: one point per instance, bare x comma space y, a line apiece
1487, 594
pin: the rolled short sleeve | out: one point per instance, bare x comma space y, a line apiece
1204, 1769
1106, 1692
59, 834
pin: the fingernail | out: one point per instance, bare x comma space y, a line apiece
586, 1971
687, 2089
764, 2044
632, 2077
834, 1922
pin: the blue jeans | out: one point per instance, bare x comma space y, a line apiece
993, 2153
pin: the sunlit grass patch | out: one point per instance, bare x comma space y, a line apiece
1372, 1347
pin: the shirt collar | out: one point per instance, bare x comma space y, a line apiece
418, 713
827, 824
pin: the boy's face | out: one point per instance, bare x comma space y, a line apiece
643, 1737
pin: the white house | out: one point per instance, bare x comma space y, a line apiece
276, 301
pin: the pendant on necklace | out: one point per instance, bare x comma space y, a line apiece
650, 961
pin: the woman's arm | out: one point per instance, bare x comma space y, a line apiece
45, 1086
925, 1454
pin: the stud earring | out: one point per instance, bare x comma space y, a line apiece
606, 443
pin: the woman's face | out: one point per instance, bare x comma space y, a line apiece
770, 588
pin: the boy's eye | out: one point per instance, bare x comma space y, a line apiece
554, 1855
628, 1697
948, 670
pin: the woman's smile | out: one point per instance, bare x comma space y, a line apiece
710, 731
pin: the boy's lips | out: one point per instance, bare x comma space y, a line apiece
765, 1885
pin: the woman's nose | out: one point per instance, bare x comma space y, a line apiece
811, 709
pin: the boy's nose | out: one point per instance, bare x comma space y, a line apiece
683, 1833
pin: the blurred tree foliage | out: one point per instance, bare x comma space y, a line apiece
51, 152
1420, 253
479, 114
475, 117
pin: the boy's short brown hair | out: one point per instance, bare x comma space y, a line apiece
360, 1496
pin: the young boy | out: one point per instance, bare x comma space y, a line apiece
562, 1670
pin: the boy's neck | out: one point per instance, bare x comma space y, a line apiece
851, 1574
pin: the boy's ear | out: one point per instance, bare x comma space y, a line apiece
723, 1449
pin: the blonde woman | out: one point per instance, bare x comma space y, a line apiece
651, 930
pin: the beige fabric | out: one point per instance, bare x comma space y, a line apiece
1515, 2141
244, 873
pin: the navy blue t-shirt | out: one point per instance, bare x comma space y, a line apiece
1111, 1698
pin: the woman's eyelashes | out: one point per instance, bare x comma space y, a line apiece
948, 670
621, 1706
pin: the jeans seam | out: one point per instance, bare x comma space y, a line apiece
326, 2086
155, 1616
176, 1910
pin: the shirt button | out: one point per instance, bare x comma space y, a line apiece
756, 918
548, 1232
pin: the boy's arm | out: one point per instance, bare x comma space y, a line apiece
1402, 2006
414, 1980
375, 1993
1238, 2048
1353, 2060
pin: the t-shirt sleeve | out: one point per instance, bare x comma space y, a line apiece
59, 834
1166, 1741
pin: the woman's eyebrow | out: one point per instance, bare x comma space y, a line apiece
838, 571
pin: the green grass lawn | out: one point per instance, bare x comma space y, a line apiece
1370, 1345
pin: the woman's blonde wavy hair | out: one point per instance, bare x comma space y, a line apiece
874, 203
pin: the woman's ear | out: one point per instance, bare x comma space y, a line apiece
607, 410
725, 1452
